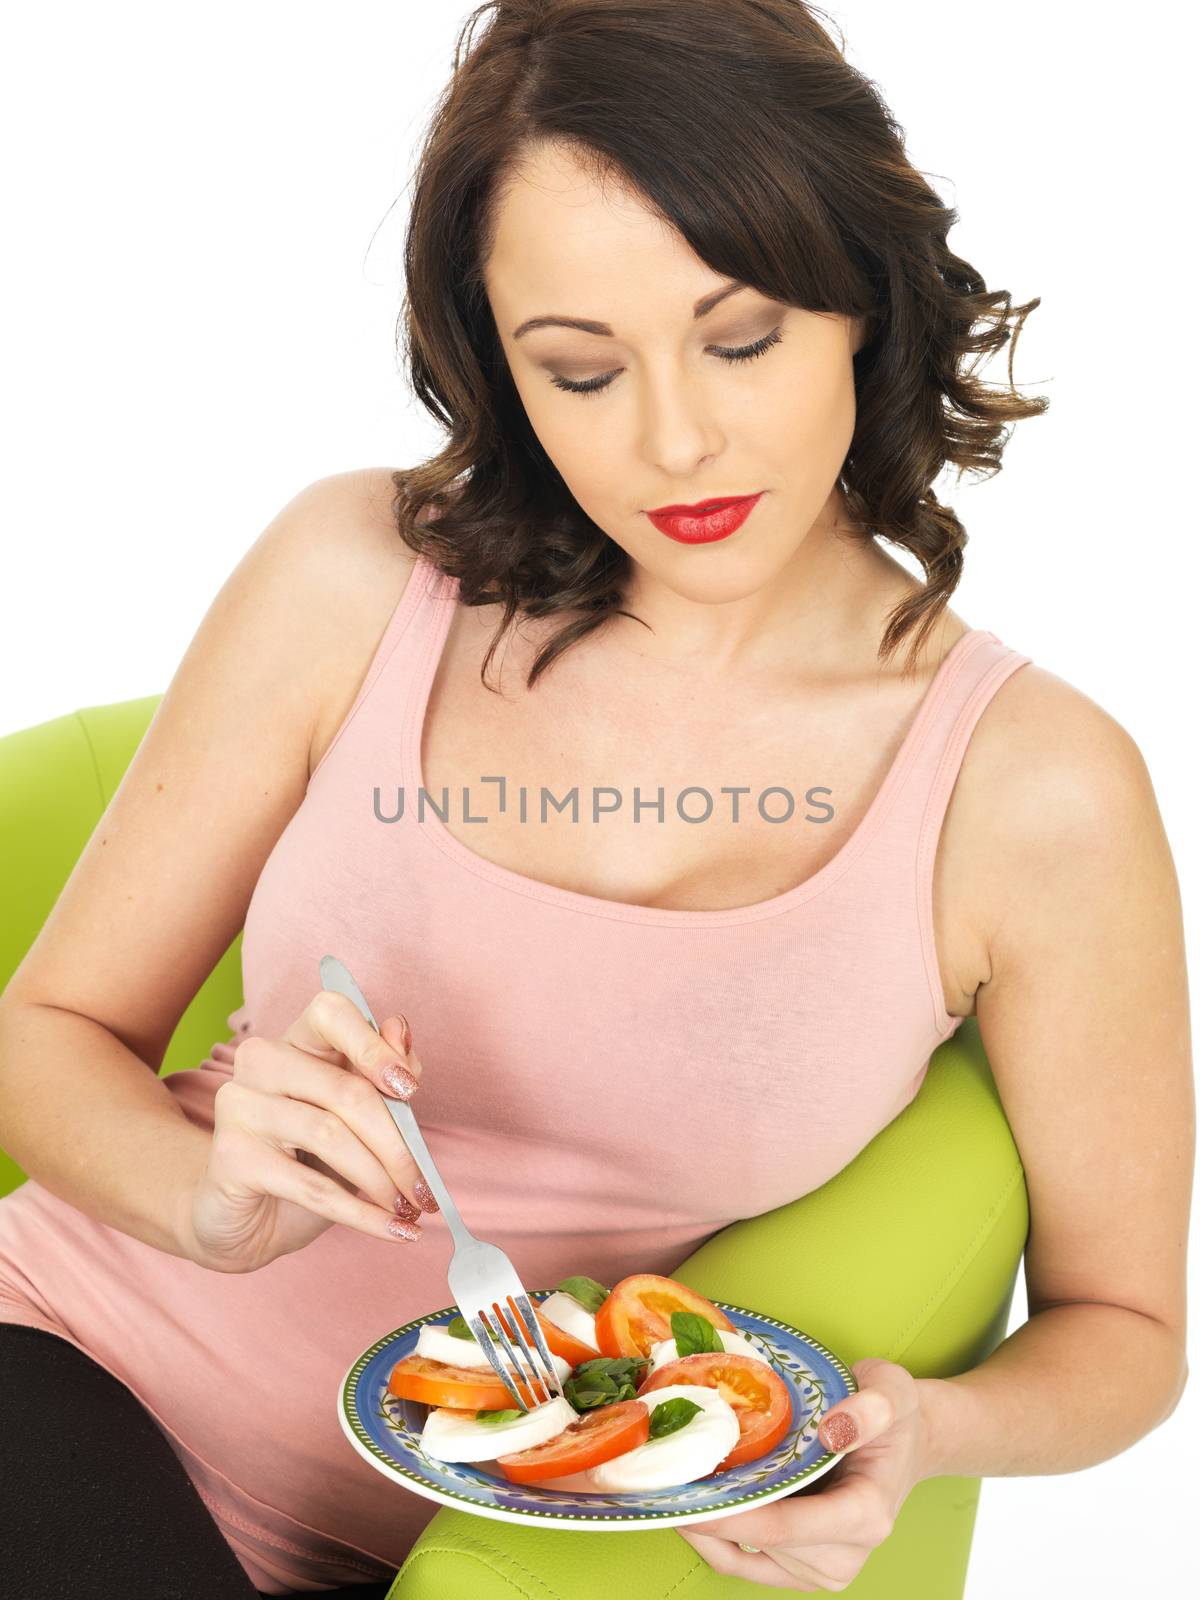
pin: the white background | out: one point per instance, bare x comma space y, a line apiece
204, 208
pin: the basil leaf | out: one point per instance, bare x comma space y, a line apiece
590, 1294
459, 1328
671, 1415
605, 1380
694, 1335
497, 1416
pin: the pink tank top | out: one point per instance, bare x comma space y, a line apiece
561, 1036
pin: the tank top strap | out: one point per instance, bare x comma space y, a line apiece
434, 595
985, 663
386, 691
897, 866
937, 741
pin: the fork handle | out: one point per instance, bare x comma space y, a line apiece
402, 1116
335, 975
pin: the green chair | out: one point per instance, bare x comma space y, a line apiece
910, 1253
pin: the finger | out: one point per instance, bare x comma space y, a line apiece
729, 1561
849, 1512
272, 1067
277, 1174
812, 1569
396, 1032
293, 1125
886, 1394
331, 1025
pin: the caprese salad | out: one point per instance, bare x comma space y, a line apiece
659, 1389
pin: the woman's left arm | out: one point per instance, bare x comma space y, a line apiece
1084, 1020
1085, 1024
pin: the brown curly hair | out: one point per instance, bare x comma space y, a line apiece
826, 214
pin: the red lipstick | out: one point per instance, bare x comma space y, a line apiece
705, 522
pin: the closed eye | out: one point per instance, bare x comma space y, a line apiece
746, 352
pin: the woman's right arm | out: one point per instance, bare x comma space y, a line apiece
162, 886
93, 1123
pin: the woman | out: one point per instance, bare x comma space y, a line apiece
618, 307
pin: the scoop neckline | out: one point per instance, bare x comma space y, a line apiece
444, 597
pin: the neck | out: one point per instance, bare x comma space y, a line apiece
824, 612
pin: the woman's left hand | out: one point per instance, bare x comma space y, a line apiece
812, 1541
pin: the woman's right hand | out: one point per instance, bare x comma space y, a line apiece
299, 1127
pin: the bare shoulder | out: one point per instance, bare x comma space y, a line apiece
1053, 759
342, 530
171, 866
355, 560
1054, 795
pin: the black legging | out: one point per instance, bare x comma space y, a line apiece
94, 1503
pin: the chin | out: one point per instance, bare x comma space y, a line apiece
714, 574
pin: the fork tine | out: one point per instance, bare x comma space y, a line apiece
531, 1378
479, 1328
539, 1339
524, 1321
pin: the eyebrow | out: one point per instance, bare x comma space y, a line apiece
701, 309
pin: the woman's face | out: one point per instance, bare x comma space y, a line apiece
671, 420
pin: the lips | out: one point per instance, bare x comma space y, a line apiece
701, 508
702, 524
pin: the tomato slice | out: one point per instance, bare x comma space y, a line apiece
638, 1311
597, 1436
558, 1341
755, 1391
437, 1383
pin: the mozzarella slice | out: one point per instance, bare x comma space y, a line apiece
664, 1350
438, 1345
450, 1435
689, 1453
565, 1312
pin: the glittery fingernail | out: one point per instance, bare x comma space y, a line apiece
403, 1230
405, 1208
400, 1081
839, 1431
424, 1198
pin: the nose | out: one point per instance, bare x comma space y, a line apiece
678, 427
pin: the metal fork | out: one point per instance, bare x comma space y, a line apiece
482, 1279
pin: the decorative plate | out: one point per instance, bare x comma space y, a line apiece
387, 1431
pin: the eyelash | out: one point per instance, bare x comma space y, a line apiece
746, 352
